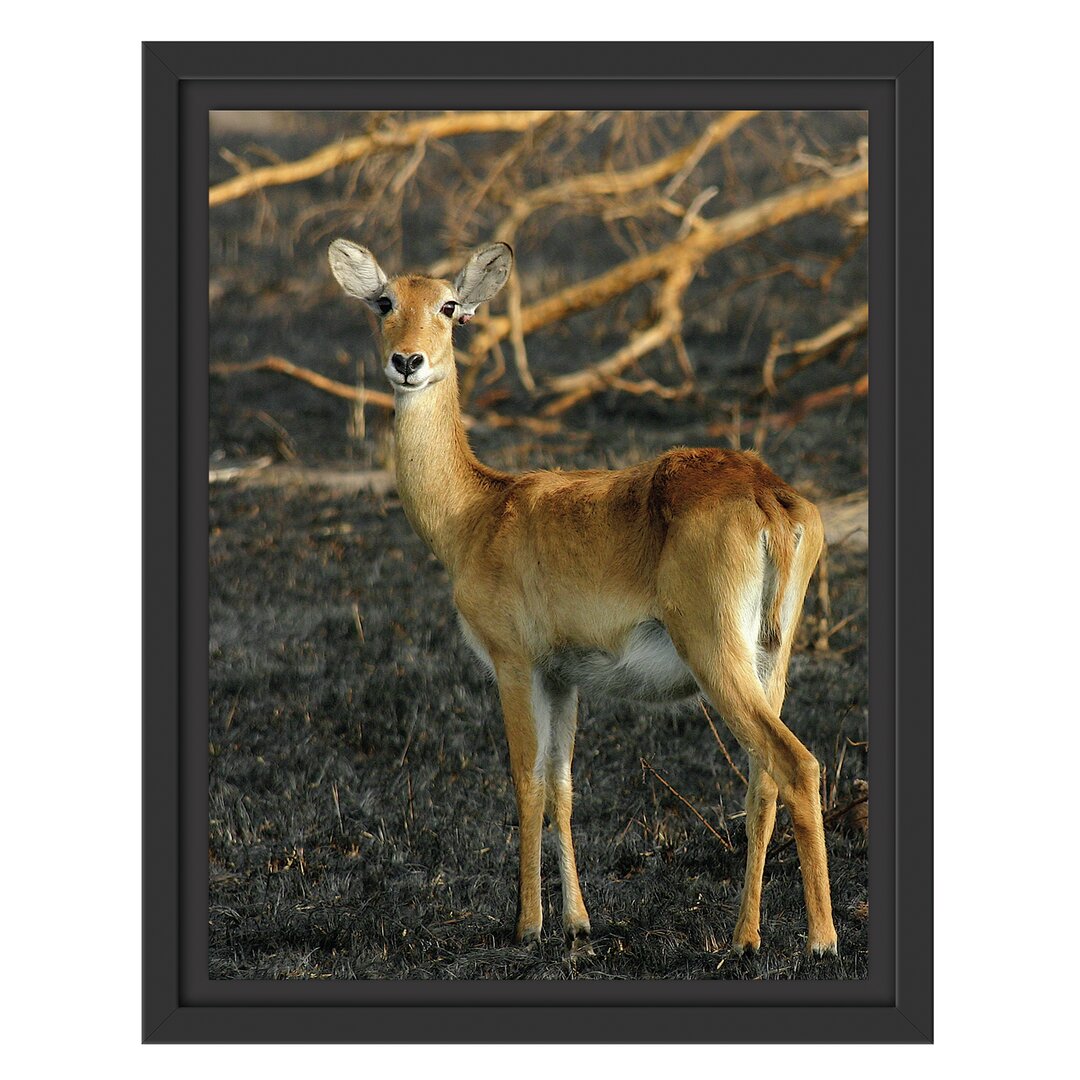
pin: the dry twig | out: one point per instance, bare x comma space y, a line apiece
720, 743
852, 325
689, 805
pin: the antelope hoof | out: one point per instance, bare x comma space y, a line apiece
578, 942
745, 942
745, 948
824, 947
527, 935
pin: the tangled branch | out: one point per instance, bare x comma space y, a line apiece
395, 136
495, 188
851, 326
705, 239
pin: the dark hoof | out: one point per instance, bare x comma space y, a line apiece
745, 944
578, 942
529, 937
746, 948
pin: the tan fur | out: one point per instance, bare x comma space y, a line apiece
548, 561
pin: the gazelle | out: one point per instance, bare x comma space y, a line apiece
680, 576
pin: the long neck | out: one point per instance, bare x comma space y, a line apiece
439, 478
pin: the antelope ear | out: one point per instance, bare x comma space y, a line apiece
486, 272
357, 271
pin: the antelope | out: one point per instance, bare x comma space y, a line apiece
681, 576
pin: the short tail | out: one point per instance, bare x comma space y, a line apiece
781, 543
784, 537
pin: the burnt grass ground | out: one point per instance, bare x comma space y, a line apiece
361, 817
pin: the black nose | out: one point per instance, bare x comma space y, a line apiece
406, 365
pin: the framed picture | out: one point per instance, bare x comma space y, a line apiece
649, 505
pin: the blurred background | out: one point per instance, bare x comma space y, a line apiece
693, 278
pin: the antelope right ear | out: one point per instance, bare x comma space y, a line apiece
357, 271
483, 275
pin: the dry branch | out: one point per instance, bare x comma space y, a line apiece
371, 397
811, 403
401, 147
580, 384
808, 350
641, 387
261, 473
705, 239
528, 423
313, 378
846, 520
726, 841
517, 337
607, 184
243, 471
398, 136
720, 742
595, 185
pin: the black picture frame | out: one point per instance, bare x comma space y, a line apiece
181, 82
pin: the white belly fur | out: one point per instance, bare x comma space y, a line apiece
646, 669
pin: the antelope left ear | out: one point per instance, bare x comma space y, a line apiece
357, 270
486, 272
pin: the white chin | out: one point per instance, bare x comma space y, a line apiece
408, 388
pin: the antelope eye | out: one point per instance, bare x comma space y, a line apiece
448, 308
384, 305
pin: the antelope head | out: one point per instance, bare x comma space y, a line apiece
417, 314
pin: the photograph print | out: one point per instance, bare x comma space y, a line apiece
538, 545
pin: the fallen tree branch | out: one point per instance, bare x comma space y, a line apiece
578, 385
809, 350
397, 136
372, 397
239, 472
811, 403
595, 185
641, 387
598, 185
707, 237
312, 378
528, 423
261, 473
846, 520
